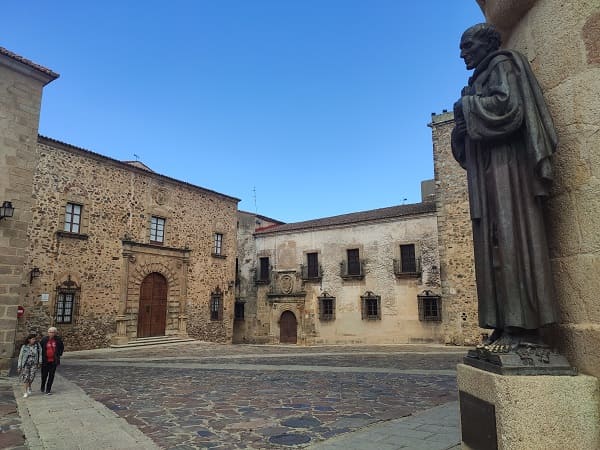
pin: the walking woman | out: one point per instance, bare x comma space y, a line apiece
30, 358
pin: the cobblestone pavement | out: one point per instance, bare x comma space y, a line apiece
11, 432
203, 395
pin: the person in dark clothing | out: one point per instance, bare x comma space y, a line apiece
52, 350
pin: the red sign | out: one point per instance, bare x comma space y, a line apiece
20, 311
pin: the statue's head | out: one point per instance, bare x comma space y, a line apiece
477, 42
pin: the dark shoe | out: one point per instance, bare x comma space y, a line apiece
43, 389
48, 393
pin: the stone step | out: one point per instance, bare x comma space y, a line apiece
154, 340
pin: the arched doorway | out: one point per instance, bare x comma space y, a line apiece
152, 315
288, 327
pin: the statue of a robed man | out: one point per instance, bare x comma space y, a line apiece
504, 138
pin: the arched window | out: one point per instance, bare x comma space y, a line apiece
67, 297
216, 305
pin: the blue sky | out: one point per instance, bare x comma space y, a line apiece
319, 106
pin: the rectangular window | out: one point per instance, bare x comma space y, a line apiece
218, 244
157, 230
239, 311
64, 307
263, 270
408, 262
353, 262
371, 306
73, 218
312, 265
216, 305
430, 307
326, 308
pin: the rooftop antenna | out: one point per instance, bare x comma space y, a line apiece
137, 158
254, 196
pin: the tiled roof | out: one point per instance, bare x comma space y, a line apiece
259, 216
29, 63
73, 149
352, 218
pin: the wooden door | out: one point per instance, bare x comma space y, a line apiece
288, 327
152, 315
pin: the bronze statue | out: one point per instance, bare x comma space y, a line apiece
504, 138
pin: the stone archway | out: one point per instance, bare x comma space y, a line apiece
288, 328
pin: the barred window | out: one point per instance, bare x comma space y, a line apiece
430, 307
216, 305
157, 230
408, 261
73, 217
326, 307
67, 294
370, 306
353, 262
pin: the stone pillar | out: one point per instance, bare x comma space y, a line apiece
185, 262
121, 337
21, 84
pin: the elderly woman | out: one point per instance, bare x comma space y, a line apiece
30, 358
52, 350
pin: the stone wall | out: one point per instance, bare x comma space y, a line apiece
20, 98
378, 242
459, 291
108, 259
562, 42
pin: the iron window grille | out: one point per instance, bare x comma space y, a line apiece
430, 307
352, 269
326, 307
157, 230
216, 305
370, 306
312, 270
66, 301
73, 217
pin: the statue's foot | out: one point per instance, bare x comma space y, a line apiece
493, 337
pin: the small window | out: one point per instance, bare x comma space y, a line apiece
239, 310
371, 306
264, 269
157, 230
216, 305
66, 300
430, 307
352, 267
326, 307
218, 247
73, 217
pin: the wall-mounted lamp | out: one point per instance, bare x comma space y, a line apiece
35, 273
6, 210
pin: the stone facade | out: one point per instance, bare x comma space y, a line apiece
561, 40
377, 236
455, 238
21, 84
105, 262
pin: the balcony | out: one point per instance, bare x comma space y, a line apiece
311, 273
412, 269
352, 271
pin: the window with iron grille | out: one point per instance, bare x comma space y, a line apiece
326, 307
264, 269
239, 311
312, 265
353, 261
371, 306
430, 307
64, 307
408, 261
157, 230
218, 247
73, 217
216, 305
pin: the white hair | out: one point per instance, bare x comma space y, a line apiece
52, 330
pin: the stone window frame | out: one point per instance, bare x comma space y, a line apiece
344, 264
263, 276
305, 274
370, 306
399, 271
84, 222
430, 307
326, 307
216, 305
67, 287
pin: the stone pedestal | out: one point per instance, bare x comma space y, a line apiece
533, 412
121, 336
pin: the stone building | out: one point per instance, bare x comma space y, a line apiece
366, 277
117, 252
21, 84
457, 269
